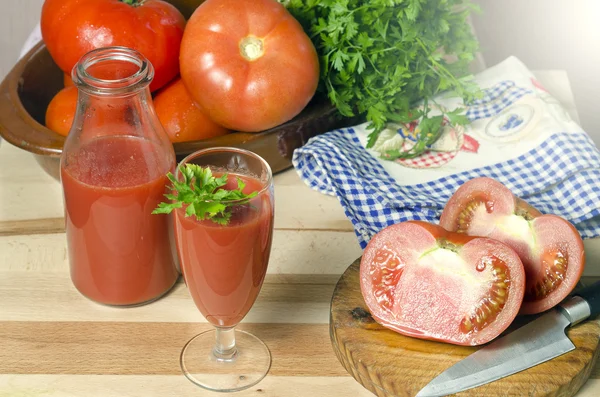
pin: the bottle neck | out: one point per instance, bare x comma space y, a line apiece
115, 110
113, 71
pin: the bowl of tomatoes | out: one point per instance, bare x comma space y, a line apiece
35, 101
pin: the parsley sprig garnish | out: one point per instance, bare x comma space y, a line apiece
381, 58
203, 194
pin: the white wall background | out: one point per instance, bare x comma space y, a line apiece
549, 34
545, 34
17, 19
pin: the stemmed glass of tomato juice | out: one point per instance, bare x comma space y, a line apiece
224, 267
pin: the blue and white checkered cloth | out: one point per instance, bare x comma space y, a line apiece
561, 175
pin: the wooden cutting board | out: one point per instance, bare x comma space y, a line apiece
390, 364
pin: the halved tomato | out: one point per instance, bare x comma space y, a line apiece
423, 281
549, 246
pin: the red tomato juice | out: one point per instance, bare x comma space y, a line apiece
119, 253
224, 266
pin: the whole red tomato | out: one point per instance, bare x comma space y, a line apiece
71, 28
67, 81
61, 110
248, 64
182, 119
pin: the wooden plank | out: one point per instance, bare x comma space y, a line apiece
50, 296
171, 385
591, 387
299, 207
32, 226
57, 225
127, 348
26, 192
293, 252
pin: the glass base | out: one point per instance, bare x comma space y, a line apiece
247, 367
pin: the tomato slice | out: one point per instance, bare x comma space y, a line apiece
549, 246
423, 281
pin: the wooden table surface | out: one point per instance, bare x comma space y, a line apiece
54, 342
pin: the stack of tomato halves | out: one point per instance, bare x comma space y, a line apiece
492, 257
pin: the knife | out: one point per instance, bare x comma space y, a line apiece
534, 343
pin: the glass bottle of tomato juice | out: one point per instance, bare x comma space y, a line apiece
113, 169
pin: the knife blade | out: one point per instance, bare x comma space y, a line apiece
534, 343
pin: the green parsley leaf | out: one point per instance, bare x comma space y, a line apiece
203, 195
381, 58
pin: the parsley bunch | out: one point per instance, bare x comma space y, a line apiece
380, 57
203, 195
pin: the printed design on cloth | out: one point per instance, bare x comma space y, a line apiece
452, 140
508, 123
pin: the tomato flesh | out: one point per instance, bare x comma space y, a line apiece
422, 281
550, 247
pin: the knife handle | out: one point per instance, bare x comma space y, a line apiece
591, 294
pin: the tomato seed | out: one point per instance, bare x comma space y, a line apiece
488, 308
555, 265
466, 215
466, 326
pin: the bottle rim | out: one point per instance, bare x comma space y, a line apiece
140, 77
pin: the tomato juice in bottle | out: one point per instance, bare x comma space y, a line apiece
113, 172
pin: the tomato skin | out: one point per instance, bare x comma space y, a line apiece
67, 81
548, 235
71, 28
423, 281
242, 94
61, 110
182, 119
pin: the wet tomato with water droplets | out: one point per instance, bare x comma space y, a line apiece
423, 281
71, 28
549, 246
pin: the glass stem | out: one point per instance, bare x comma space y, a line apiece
225, 348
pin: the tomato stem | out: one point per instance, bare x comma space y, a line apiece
133, 3
251, 48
